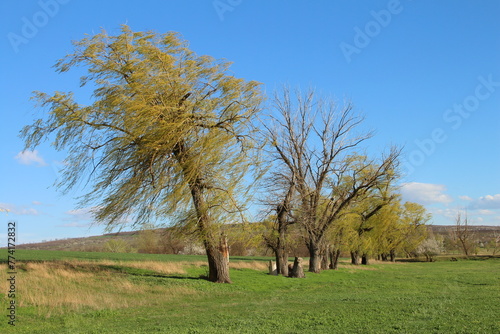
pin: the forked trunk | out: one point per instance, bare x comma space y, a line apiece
281, 253
282, 219
334, 259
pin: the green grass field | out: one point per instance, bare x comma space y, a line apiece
126, 293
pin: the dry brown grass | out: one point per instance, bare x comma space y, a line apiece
352, 267
255, 265
57, 286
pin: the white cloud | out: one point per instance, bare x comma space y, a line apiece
30, 158
465, 198
18, 209
81, 214
447, 213
425, 193
485, 212
488, 202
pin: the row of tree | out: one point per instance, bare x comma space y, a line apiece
170, 135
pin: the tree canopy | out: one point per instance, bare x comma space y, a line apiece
162, 118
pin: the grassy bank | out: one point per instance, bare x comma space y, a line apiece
64, 292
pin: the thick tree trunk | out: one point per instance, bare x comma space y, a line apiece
281, 261
218, 262
355, 257
334, 259
365, 259
281, 253
392, 254
314, 257
384, 257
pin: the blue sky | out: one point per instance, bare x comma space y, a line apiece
426, 75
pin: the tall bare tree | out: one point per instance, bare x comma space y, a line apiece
315, 140
463, 234
168, 132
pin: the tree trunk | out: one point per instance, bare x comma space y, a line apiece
355, 258
314, 257
325, 258
334, 259
281, 254
281, 260
393, 255
218, 262
383, 256
216, 248
365, 259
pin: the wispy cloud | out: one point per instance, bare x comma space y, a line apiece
30, 158
488, 202
81, 214
484, 210
75, 224
425, 193
21, 210
79, 217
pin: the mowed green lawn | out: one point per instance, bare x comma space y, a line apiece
438, 297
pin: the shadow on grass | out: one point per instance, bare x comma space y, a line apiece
149, 273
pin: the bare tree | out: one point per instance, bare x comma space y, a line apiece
463, 235
315, 141
276, 237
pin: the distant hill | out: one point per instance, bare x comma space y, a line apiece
481, 233
87, 244
131, 238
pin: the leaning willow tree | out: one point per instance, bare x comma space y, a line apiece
167, 134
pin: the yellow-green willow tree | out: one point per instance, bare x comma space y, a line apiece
168, 134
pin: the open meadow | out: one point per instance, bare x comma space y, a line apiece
76, 292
